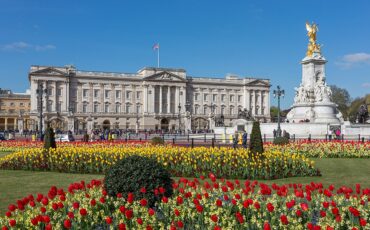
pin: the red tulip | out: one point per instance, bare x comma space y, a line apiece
67, 224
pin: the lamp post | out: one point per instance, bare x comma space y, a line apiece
179, 116
278, 93
40, 91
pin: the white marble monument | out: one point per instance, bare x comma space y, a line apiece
312, 101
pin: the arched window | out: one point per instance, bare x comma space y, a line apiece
128, 108
84, 107
118, 107
96, 107
231, 110
106, 107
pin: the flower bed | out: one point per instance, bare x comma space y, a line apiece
326, 149
196, 204
322, 149
180, 161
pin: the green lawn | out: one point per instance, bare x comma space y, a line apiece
17, 184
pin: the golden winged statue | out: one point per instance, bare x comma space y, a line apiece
313, 47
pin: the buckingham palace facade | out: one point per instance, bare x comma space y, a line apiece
151, 99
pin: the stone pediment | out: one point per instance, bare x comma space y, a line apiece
164, 76
49, 71
258, 83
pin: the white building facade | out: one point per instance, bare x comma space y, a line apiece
151, 99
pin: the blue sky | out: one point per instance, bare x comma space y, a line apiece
208, 38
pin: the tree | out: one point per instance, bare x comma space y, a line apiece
273, 113
256, 145
342, 98
355, 105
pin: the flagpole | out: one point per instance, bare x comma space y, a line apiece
158, 56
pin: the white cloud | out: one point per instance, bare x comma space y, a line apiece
366, 85
351, 60
45, 47
24, 46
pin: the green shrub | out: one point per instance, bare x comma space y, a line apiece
49, 139
133, 173
256, 144
157, 141
281, 141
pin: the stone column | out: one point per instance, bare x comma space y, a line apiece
79, 98
201, 94
134, 98
123, 96
268, 103
183, 99
168, 99
67, 96
252, 102
227, 102
177, 98
260, 102
102, 105
6, 124
160, 99
91, 97
55, 96
112, 99
46, 97
145, 98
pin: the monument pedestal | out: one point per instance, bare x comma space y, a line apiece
312, 102
327, 113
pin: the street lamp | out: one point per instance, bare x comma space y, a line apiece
278, 93
179, 107
40, 91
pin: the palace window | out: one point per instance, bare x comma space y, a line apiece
128, 108
84, 108
59, 92
138, 108
96, 108
239, 98
107, 93
118, 108
205, 97
21, 104
223, 110
106, 107
118, 94
138, 95
50, 105
223, 97
85, 93
96, 93
214, 97
128, 95
231, 110
196, 110
50, 91
59, 106
205, 109
196, 96
231, 98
